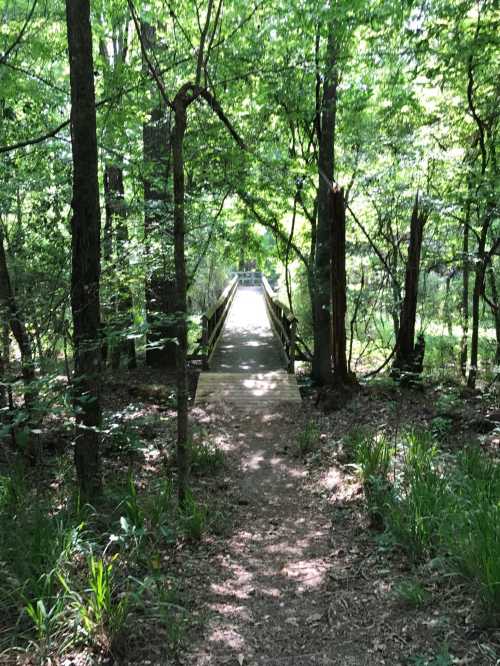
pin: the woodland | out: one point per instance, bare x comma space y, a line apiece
346, 150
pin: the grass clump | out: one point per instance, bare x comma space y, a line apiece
373, 456
206, 458
193, 518
72, 576
308, 438
412, 593
420, 499
433, 509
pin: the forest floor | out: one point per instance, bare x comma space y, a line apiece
299, 577
288, 569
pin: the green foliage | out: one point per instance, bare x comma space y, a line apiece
441, 659
193, 518
373, 456
206, 457
415, 510
308, 438
451, 512
441, 428
412, 593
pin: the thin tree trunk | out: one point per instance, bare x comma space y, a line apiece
405, 360
339, 287
322, 358
447, 307
495, 309
85, 250
181, 284
18, 327
160, 289
121, 310
465, 294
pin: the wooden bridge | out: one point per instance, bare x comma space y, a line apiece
250, 345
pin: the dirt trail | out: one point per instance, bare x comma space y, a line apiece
266, 595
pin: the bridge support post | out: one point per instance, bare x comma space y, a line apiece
204, 341
291, 352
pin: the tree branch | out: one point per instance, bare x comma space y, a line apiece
18, 39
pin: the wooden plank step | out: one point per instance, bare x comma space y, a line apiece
247, 389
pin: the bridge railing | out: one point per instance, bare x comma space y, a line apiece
213, 321
284, 324
250, 278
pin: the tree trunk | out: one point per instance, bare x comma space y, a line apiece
322, 358
479, 278
465, 294
121, 311
339, 287
181, 285
85, 250
495, 309
160, 292
18, 328
407, 355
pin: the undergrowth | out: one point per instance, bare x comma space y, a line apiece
73, 576
437, 507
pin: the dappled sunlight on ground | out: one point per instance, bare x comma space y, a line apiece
274, 564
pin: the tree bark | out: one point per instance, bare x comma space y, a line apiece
405, 360
160, 289
495, 310
18, 327
180, 108
322, 357
465, 294
122, 303
85, 274
339, 287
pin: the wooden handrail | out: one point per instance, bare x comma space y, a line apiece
284, 324
213, 321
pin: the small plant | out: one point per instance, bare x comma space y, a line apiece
121, 439
160, 504
373, 457
412, 593
308, 438
206, 458
46, 621
98, 609
441, 428
448, 404
441, 659
193, 518
416, 510
133, 510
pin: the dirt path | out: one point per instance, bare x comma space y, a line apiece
266, 593
298, 577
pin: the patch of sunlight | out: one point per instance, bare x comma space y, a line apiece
331, 478
231, 610
229, 636
256, 460
309, 573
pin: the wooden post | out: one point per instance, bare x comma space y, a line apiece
291, 352
204, 341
